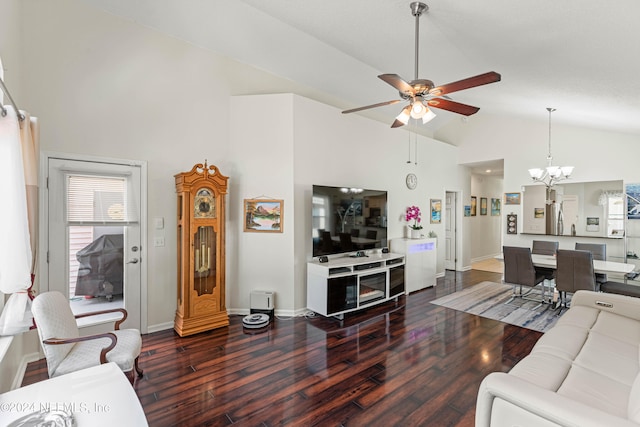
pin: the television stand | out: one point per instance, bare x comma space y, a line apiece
347, 284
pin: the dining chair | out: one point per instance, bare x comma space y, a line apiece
355, 232
545, 247
574, 272
519, 271
326, 242
599, 251
346, 244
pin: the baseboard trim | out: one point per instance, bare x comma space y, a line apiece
160, 327
22, 368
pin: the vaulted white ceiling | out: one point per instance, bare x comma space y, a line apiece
580, 57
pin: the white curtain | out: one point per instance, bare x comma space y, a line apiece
18, 218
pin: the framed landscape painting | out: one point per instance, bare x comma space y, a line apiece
483, 205
436, 211
263, 215
511, 198
495, 207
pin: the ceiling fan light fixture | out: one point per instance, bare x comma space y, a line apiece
418, 109
415, 91
428, 116
404, 115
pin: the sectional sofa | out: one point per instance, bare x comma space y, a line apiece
583, 372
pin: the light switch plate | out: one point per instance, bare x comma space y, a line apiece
159, 223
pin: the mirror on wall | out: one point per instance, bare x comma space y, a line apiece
586, 209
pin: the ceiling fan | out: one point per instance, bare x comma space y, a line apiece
422, 93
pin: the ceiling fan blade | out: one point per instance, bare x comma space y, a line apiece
479, 80
397, 82
366, 107
397, 123
456, 107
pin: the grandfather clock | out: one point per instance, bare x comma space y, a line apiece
201, 260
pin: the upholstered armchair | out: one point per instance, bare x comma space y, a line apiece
66, 351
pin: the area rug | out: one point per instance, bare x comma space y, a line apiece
487, 299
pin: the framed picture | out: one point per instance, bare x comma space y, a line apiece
474, 203
538, 212
495, 207
263, 215
436, 211
467, 210
511, 198
633, 201
483, 205
593, 223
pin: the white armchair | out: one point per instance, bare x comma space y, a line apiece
66, 351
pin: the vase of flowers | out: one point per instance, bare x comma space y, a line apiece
413, 214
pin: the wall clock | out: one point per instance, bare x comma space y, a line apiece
412, 181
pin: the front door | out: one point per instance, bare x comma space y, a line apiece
93, 235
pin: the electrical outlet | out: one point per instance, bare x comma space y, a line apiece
158, 241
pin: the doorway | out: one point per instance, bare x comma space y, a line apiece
450, 224
94, 216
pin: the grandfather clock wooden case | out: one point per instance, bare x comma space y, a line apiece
201, 254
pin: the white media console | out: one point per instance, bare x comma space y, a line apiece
348, 283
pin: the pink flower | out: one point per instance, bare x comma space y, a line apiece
413, 213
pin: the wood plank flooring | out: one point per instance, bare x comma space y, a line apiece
406, 363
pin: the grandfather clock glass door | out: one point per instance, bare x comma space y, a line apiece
204, 260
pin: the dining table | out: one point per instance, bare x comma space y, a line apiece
599, 266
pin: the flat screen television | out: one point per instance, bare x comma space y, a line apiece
347, 219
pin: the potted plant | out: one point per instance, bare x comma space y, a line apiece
413, 214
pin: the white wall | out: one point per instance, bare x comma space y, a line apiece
261, 157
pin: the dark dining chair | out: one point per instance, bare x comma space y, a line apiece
371, 234
355, 232
519, 271
574, 272
599, 252
346, 244
544, 247
326, 242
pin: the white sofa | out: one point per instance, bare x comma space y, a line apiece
585, 371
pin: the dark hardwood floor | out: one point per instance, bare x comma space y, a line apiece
408, 363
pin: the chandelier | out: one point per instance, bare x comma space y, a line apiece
550, 175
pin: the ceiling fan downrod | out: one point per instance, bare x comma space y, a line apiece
416, 10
